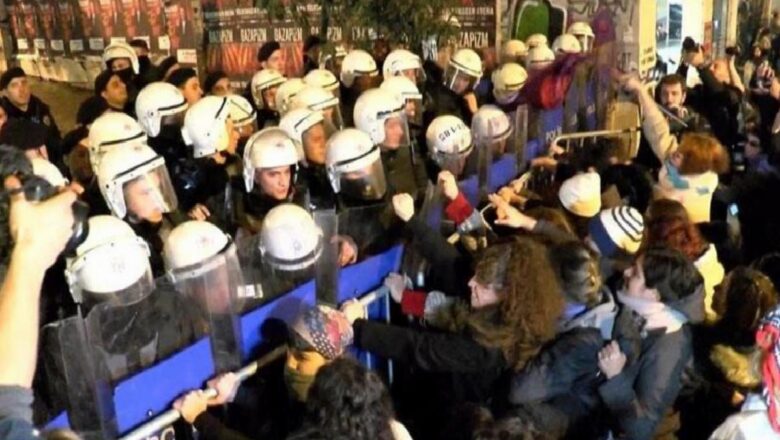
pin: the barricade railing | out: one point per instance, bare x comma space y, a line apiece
172, 415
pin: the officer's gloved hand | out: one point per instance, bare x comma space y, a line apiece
348, 251
403, 205
448, 185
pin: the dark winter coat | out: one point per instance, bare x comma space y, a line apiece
38, 112
448, 370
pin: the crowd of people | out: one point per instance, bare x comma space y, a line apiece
597, 295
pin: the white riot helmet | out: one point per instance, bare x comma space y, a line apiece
449, 143
191, 243
463, 71
48, 171
242, 112
121, 50
262, 81
112, 130
112, 263
201, 262
508, 80
536, 40
357, 63
514, 51
307, 130
332, 58
156, 104
566, 44
401, 62
290, 240
539, 58
319, 99
269, 148
205, 126
491, 128
323, 78
584, 34
354, 166
286, 92
407, 90
134, 182
382, 115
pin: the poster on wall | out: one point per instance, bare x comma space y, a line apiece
235, 30
73, 28
477, 19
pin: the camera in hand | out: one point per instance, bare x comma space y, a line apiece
37, 189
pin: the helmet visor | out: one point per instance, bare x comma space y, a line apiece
333, 120
396, 130
586, 42
314, 140
414, 111
149, 195
459, 81
268, 98
453, 162
364, 184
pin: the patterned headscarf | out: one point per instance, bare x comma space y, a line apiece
768, 340
325, 329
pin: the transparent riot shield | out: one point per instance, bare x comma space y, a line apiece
284, 254
485, 149
374, 228
336, 251
520, 135
214, 289
73, 378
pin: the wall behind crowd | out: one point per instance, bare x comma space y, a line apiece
62, 40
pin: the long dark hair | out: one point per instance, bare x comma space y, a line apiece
348, 401
527, 316
743, 298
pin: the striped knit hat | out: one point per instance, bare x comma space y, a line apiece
616, 229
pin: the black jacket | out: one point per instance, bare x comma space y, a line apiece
262, 409
448, 370
719, 103
38, 112
405, 172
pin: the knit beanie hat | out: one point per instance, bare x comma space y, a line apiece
266, 50
581, 194
616, 229
324, 328
9, 75
180, 76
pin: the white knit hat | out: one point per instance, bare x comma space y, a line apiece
581, 194
617, 228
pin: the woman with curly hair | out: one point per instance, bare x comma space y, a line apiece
349, 401
514, 309
668, 224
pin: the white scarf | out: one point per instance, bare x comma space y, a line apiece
655, 313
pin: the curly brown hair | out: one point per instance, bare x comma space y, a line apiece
532, 303
668, 225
